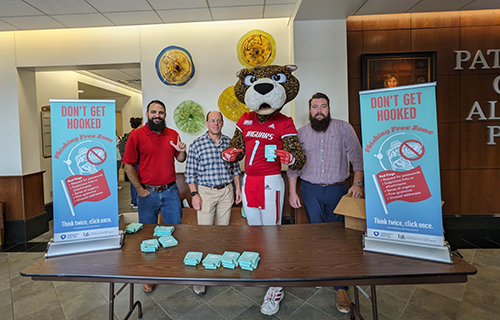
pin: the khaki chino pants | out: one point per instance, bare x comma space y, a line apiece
216, 205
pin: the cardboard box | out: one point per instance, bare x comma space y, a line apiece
354, 211
129, 217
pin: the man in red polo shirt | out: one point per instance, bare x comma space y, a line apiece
153, 148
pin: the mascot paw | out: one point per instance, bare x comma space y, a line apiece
286, 157
230, 154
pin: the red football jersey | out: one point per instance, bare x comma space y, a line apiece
259, 135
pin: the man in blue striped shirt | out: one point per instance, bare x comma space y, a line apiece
210, 178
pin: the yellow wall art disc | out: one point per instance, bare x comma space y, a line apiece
229, 105
256, 48
174, 66
189, 117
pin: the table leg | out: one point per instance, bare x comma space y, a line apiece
132, 304
111, 301
356, 308
374, 302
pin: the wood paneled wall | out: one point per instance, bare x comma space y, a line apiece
470, 169
22, 195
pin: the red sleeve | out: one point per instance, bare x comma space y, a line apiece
289, 128
241, 120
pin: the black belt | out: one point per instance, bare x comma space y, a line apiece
158, 188
222, 186
333, 184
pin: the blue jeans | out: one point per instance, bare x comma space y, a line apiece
167, 202
118, 166
319, 203
133, 191
133, 194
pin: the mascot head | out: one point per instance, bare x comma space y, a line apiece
266, 89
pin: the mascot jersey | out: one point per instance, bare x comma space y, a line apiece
261, 139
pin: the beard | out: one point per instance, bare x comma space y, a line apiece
320, 125
156, 127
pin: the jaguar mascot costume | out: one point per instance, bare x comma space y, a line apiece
267, 139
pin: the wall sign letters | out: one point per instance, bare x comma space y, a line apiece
489, 61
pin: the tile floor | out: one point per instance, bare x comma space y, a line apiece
23, 298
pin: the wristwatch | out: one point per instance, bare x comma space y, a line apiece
359, 183
194, 193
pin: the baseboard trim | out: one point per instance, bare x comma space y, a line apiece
21, 231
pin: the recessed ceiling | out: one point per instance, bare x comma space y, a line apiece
128, 76
62, 14
92, 92
58, 14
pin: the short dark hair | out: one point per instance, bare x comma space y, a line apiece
319, 95
158, 102
135, 122
208, 113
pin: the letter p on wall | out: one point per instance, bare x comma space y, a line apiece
493, 132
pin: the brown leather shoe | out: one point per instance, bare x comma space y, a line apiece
343, 301
148, 287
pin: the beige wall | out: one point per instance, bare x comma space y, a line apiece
321, 55
29, 120
52, 85
212, 46
73, 47
10, 134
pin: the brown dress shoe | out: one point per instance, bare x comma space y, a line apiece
343, 301
148, 287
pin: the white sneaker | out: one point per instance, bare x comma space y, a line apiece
272, 300
199, 290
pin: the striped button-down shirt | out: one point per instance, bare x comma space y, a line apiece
328, 153
205, 166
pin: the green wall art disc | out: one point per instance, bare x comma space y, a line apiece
189, 117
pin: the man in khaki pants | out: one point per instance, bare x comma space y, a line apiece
210, 178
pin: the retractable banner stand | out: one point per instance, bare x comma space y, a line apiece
401, 167
84, 173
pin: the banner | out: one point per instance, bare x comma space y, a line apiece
84, 172
401, 164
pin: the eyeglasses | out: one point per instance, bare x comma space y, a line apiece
214, 121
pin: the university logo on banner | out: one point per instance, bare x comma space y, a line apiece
401, 164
